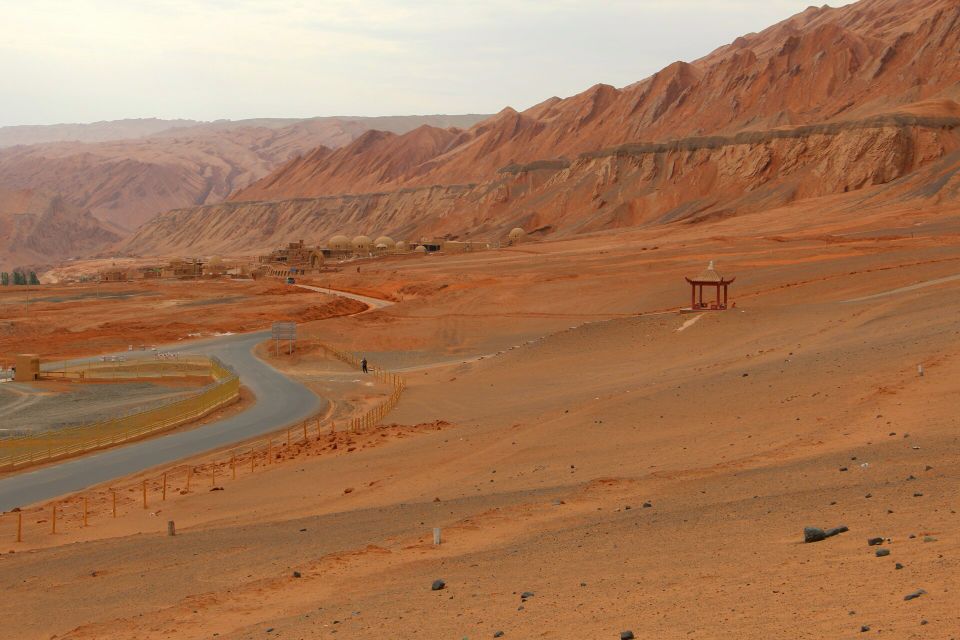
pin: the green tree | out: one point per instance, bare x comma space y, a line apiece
33, 278
18, 278
5, 279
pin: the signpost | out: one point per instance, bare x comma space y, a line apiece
284, 331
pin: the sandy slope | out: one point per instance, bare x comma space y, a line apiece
795, 408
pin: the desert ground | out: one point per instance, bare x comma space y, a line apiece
596, 460
72, 320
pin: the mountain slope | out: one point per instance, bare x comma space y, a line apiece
822, 65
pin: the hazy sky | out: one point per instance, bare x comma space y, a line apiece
88, 60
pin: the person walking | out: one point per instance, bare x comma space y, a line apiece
363, 365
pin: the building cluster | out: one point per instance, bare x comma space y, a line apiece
177, 269
297, 258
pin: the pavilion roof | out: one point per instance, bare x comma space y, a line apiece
710, 276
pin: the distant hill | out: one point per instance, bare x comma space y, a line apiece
39, 229
127, 171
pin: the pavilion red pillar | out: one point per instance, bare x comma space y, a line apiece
725, 296
718, 295
693, 296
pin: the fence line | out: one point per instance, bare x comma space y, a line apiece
26, 449
262, 452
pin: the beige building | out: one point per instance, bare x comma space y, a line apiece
295, 258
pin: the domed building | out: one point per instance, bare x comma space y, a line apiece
340, 243
362, 244
516, 236
420, 249
387, 241
401, 246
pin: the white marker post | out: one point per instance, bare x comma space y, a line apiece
436, 536
920, 370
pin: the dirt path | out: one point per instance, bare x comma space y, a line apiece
912, 287
372, 303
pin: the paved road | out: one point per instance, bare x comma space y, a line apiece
280, 401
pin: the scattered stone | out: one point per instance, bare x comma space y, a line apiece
302, 530
526, 594
911, 477
929, 539
438, 585
864, 629
898, 566
883, 552
843, 468
874, 541
929, 468
912, 536
498, 634
916, 594
296, 574
647, 505
270, 630
923, 622
814, 534
917, 494
628, 635
348, 490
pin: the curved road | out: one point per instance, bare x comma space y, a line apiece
280, 401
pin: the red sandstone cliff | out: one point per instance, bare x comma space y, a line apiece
827, 102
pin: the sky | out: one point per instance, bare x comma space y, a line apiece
92, 60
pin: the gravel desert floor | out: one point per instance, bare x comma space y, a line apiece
596, 460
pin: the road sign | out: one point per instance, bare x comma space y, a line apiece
284, 330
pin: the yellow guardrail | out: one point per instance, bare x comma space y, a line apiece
26, 449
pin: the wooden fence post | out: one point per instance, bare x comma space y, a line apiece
164, 486
144, 494
113, 492
304, 430
171, 528
53, 520
20, 526
189, 473
233, 465
288, 437
84, 511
